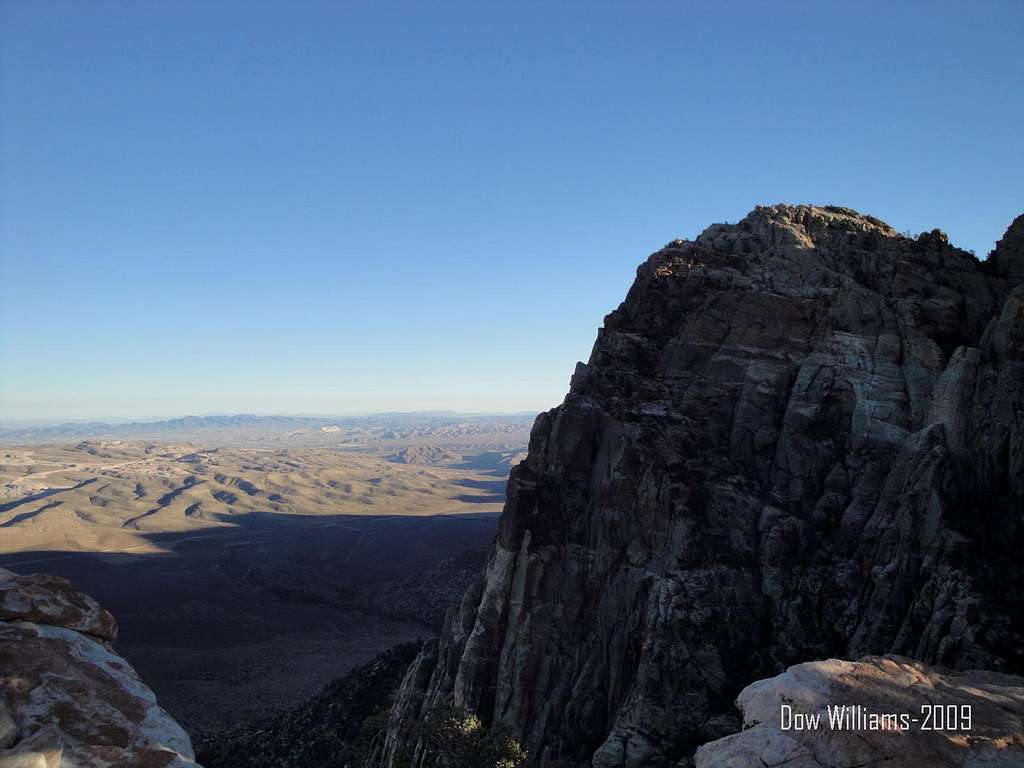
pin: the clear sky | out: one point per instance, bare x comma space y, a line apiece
343, 207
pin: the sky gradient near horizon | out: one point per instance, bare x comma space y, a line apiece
342, 207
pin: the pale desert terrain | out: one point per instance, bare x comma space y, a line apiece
116, 498
250, 565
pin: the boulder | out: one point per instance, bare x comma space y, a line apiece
876, 711
44, 599
66, 698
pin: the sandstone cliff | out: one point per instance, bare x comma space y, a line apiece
800, 436
843, 735
66, 699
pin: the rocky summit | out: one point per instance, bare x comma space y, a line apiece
66, 698
799, 437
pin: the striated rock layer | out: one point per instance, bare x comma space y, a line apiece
878, 711
66, 699
799, 436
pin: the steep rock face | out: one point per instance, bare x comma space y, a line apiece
799, 436
66, 699
1008, 257
859, 705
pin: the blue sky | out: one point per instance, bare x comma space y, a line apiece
347, 207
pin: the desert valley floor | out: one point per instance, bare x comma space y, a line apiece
247, 573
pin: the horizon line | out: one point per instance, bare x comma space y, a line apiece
6, 422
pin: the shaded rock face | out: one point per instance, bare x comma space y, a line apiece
985, 725
799, 436
66, 699
1008, 257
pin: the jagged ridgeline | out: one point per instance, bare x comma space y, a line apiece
800, 436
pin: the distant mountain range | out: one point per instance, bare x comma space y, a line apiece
418, 422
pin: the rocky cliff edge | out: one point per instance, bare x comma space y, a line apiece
66, 698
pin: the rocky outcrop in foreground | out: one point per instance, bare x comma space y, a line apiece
799, 437
66, 699
987, 707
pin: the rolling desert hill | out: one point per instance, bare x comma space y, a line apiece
107, 497
247, 572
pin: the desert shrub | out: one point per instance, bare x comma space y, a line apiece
454, 739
